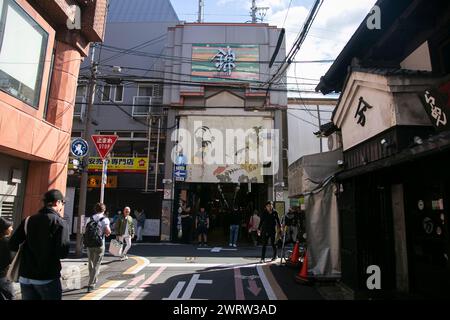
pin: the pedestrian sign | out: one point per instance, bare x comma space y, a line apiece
79, 147
180, 173
104, 144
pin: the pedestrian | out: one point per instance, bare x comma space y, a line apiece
202, 226
125, 230
235, 221
45, 238
140, 218
186, 225
269, 222
97, 227
253, 225
6, 257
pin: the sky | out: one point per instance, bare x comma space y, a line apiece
333, 27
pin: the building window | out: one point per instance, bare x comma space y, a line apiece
23, 45
106, 94
118, 96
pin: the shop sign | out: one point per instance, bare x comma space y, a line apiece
437, 109
363, 106
118, 165
96, 182
221, 62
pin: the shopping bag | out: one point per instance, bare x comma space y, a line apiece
115, 248
180, 233
13, 270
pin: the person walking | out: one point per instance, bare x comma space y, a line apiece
269, 221
140, 218
186, 225
125, 230
253, 225
202, 226
6, 257
45, 238
235, 221
97, 227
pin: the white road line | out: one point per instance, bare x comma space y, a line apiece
146, 284
191, 286
176, 291
266, 284
201, 265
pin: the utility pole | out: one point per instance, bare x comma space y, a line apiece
201, 7
88, 128
253, 12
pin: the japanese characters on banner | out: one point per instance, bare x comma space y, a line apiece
117, 164
437, 108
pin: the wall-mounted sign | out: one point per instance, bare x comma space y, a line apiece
222, 62
96, 182
363, 106
437, 108
421, 205
120, 165
428, 225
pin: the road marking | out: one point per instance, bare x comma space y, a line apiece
136, 280
141, 264
239, 289
176, 291
146, 284
253, 287
266, 284
191, 286
274, 284
105, 289
216, 249
203, 265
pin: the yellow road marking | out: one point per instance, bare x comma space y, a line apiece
103, 290
141, 264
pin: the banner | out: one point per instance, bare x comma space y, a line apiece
117, 165
222, 62
224, 149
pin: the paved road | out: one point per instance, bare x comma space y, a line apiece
182, 272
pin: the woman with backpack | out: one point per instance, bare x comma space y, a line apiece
97, 227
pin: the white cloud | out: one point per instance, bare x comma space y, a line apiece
332, 28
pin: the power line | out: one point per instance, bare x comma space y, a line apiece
287, 13
187, 59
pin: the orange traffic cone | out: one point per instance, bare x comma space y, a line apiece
293, 260
302, 276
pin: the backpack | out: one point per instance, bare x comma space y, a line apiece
93, 236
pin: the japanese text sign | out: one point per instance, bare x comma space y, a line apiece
104, 144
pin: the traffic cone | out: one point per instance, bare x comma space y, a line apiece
302, 276
293, 260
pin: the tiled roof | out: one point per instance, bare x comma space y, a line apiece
141, 11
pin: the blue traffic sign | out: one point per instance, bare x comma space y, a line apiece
79, 147
180, 173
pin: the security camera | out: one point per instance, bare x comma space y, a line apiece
340, 163
384, 142
418, 140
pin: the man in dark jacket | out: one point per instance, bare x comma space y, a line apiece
269, 220
46, 242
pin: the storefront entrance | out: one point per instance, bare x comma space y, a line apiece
219, 200
427, 216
